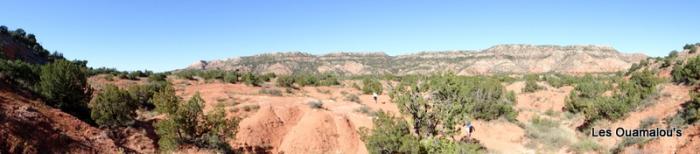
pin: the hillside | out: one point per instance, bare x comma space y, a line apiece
18, 45
29, 126
511, 58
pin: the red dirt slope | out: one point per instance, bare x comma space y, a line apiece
28, 126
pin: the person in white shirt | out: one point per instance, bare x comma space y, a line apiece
374, 95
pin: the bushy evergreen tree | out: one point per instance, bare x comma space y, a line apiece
688, 73
165, 101
113, 107
189, 125
64, 85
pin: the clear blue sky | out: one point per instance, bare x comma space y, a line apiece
164, 35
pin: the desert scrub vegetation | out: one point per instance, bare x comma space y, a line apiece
273, 92
531, 85
365, 110
646, 123
393, 135
546, 134
352, 98
587, 97
64, 85
688, 114
20, 73
437, 104
308, 79
371, 85
188, 125
688, 73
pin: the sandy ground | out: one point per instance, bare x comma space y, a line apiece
287, 124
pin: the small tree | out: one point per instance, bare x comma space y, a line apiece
189, 125
166, 101
64, 85
688, 73
113, 107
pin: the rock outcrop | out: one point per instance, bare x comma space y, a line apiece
511, 58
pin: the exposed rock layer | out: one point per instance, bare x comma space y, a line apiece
512, 58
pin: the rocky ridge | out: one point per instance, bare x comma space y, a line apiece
499, 59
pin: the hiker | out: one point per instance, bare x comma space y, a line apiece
374, 95
470, 129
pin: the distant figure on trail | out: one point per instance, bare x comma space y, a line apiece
374, 95
470, 129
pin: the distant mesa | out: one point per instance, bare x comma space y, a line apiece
499, 59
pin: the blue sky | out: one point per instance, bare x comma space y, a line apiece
164, 35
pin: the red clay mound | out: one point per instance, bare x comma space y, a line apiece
294, 128
27, 126
267, 127
320, 132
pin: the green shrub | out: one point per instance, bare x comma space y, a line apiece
189, 125
64, 85
365, 109
390, 135
370, 86
688, 73
672, 54
250, 79
144, 93
306, 80
231, 77
113, 107
352, 98
273, 92
165, 101
690, 112
587, 97
692, 48
19, 72
453, 99
586, 145
328, 80
546, 133
285, 81
267, 77
157, 77
531, 86
393, 135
